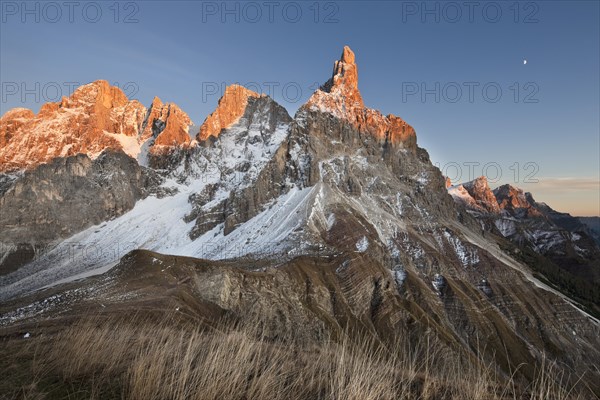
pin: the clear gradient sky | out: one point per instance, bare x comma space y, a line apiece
438, 65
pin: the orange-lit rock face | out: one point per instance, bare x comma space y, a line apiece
11, 122
95, 117
156, 117
176, 128
340, 96
448, 182
168, 124
512, 198
480, 190
75, 125
230, 109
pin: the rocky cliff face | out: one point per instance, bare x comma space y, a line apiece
56, 200
166, 126
95, 117
517, 216
246, 153
333, 220
478, 195
232, 106
515, 201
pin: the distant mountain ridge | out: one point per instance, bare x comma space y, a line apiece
568, 242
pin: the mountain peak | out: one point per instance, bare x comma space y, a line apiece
156, 102
10, 123
347, 55
230, 109
345, 76
99, 92
513, 198
477, 195
343, 85
340, 97
480, 191
95, 117
18, 112
479, 183
168, 124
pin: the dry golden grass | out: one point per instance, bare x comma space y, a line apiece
140, 359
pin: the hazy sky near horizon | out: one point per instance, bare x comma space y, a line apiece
456, 71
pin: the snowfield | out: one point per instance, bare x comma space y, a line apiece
158, 224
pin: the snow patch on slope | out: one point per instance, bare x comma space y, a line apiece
362, 245
467, 257
130, 144
266, 234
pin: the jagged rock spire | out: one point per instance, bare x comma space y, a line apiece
345, 76
340, 96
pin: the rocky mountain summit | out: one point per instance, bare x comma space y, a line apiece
340, 96
332, 221
94, 118
230, 109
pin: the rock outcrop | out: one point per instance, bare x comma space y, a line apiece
480, 191
249, 154
166, 126
96, 117
56, 200
232, 106
340, 96
556, 244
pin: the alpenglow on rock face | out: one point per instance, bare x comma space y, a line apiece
95, 117
480, 191
230, 109
332, 221
340, 97
515, 201
166, 126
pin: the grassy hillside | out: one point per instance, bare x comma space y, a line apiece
151, 357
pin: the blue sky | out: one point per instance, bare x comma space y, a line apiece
544, 123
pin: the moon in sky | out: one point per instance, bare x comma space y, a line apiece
524, 62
